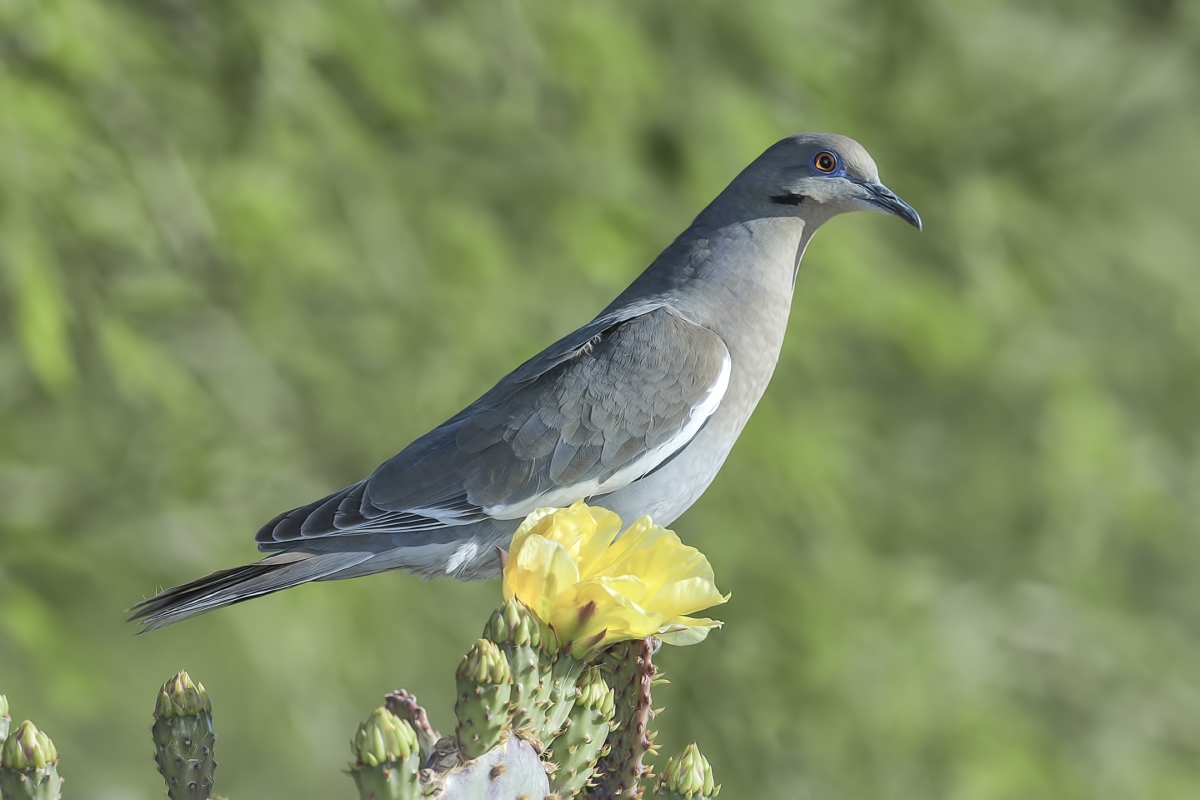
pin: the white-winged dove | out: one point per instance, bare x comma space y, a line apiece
635, 411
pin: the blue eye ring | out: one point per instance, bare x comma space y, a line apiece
825, 162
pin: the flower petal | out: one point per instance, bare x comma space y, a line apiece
686, 597
638, 536
538, 573
596, 585
684, 631
616, 616
603, 528
527, 527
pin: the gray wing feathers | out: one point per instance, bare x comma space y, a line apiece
590, 414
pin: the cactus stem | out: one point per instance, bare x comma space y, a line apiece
631, 672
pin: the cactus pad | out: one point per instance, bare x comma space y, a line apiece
582, 740
484, 685
510, 770
518, 633
184, 739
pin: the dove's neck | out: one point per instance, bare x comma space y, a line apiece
735, 280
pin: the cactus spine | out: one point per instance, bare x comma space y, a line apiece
582, 740
184, 739
518, 634
386, 758
4, 718
688, 776
484, 686
29, 765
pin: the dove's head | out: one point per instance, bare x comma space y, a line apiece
816, 176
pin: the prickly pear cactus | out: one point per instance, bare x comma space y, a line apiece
552, 688
184, 739
687, 776
630, 670
386, 758
518, 635
29, 765
484, 686
4, 718
582, 740
597, 752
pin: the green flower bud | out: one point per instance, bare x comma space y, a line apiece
3, 706
484, 663
513, 623
27, 748
180, 697
593, 692
689, 775
383, 737
551, 643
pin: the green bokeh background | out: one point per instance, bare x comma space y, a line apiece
248, 250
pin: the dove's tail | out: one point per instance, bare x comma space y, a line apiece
229, 586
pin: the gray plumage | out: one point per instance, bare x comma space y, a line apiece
635, 411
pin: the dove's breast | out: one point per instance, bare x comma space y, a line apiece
741, 289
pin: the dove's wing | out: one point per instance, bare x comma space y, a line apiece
594, 412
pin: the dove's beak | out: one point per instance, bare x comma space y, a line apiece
884, 199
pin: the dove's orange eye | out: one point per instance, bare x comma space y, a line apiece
825, 162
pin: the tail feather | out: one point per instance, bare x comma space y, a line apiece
229, 586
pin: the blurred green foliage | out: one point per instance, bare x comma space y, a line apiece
248, 250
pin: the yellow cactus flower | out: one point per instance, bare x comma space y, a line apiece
592, 588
